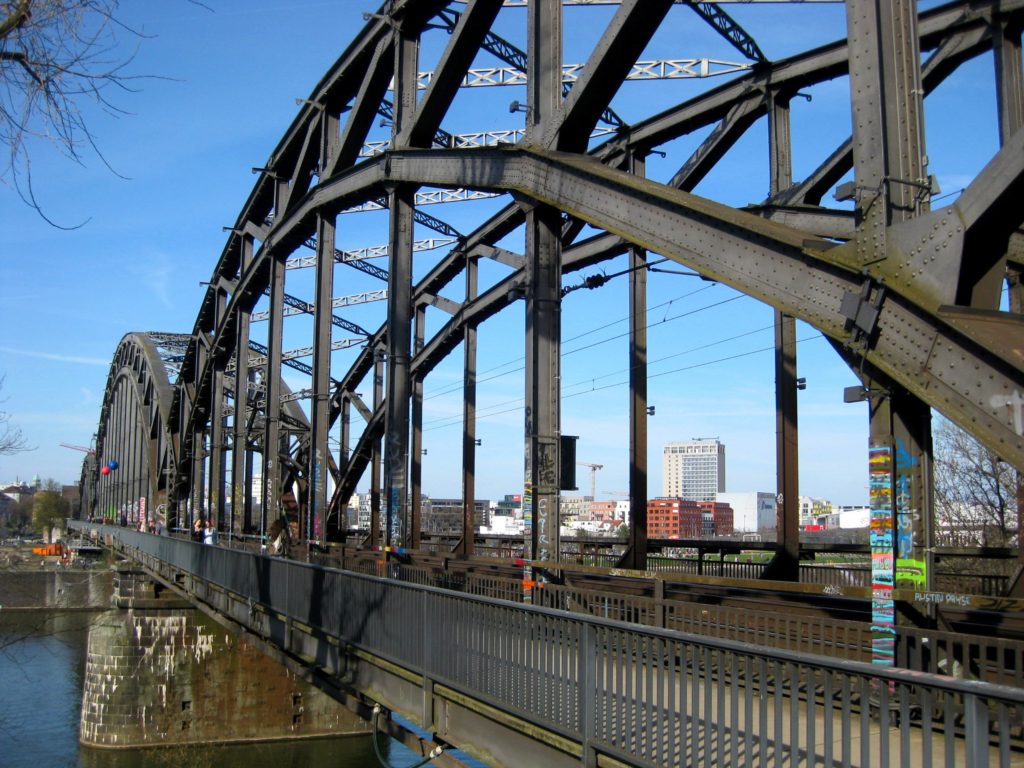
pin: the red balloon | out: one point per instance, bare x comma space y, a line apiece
104, 470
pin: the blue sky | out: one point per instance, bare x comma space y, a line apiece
227, 82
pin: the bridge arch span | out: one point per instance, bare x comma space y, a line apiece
910, 297
135, 449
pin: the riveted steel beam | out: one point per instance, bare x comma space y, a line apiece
792, 272
613, 56
469, 31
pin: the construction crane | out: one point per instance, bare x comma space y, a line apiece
593, 476
81, 448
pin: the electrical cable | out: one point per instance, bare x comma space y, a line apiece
481, 378
434, 753
484, 413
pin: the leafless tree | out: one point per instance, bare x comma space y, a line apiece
977, 494
11, 439
58, 58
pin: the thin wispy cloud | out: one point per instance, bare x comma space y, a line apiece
76, 359
155, 271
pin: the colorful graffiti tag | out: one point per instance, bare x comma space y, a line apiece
911, 572
883, 609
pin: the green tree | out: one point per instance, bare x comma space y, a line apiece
49, 508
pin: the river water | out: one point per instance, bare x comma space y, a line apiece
42, 667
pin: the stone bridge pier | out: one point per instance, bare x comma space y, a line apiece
161, 673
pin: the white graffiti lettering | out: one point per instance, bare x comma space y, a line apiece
1015, 403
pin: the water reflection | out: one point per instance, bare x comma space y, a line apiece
349, 752
42, 665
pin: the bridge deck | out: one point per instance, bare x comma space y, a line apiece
524, 685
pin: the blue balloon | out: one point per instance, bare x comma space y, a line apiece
112, 465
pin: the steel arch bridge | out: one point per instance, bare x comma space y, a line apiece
909, 295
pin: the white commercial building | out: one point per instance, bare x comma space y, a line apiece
693, 470
752, 511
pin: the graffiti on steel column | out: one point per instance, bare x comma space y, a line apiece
314, 510
272, 498
911, 573
528, 489
545, 483
883, 609
394, 523
528, 518
543, 540
527, 541
1015, 404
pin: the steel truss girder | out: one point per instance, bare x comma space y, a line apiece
507, 52
791, 271
370, 252
815, 66
304, 307
654, 69
337, 302
793, 73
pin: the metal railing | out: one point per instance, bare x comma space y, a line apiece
647, 696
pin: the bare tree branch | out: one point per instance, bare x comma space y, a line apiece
975, 491
58, 60
11, 439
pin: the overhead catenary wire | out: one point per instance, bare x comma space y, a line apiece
486, 412
519, 361
453, 389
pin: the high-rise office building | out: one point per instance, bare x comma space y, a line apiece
694, 469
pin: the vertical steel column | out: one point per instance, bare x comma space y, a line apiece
138, 464
375, 457
122, 444
128, 468
637, 554
891, 182
401, 201
321, 401
469, 350
198, 474
271, 507
111, 447
344, 437
118, 452
320, 418
179, 474
199, 433
125, 468
218, 448
543, 297
104, 457
416, 469
785, 566
109, 452
786, 563
241, 460
1006, 41
246, 525
153, 446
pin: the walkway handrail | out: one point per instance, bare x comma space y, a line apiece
643, 695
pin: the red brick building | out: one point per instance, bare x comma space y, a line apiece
675, 518
717, 518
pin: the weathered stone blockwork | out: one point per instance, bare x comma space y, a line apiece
173, 677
